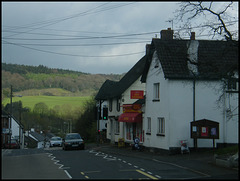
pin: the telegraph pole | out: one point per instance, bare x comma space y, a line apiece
10, 116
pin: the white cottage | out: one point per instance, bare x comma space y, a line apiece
12, 128
190, 80
123, 93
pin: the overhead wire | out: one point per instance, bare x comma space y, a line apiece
54, 21
93, 56
90, 44
51, 22
92, 37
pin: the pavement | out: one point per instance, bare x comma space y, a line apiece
204, 162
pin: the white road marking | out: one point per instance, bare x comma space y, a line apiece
68, 174
206, 175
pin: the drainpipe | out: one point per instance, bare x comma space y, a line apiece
224, 116
98, 113
194, 84
194, 102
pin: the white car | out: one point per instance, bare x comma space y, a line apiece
55, 141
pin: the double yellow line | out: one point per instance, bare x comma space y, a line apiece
148, 175
139, 171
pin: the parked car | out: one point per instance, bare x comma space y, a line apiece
55, 141
14, 144
73, 141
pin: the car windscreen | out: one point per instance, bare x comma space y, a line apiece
55, 139
73, 136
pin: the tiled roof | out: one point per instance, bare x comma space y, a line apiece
215, 58
105, 91
172, 55
38, 136
111, 89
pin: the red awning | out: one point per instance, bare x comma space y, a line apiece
130, 117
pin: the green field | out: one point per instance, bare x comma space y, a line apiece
50, 101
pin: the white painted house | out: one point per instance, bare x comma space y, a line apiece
14, 129
118, 94
185, 82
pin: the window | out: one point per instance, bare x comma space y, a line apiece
161, 127
116, 127
110, 105
148, 125
156, 91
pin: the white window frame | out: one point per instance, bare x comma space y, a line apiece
161, 126
156, 91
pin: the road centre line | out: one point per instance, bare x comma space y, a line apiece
142, 171
84, 175
146, 174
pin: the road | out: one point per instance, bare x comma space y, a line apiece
55, 163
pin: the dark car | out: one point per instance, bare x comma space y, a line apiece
73, 141
14, 145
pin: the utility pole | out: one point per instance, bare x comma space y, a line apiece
20, 118
10, 116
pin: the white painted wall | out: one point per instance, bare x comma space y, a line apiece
176, 106
125, 99
15, 128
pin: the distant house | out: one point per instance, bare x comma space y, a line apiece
188, 80
117, 95
35, 139
11, 128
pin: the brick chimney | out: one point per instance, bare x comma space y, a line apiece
167, 34
192, 37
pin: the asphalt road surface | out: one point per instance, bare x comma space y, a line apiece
55, 163
32, 166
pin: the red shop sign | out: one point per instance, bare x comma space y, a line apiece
137, 94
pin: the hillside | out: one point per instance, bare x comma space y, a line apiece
41, 80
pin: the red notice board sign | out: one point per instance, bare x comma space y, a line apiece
137, 94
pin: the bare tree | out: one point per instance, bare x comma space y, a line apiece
215, 17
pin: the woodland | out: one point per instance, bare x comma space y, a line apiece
43, 81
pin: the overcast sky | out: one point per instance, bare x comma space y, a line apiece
92, 37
